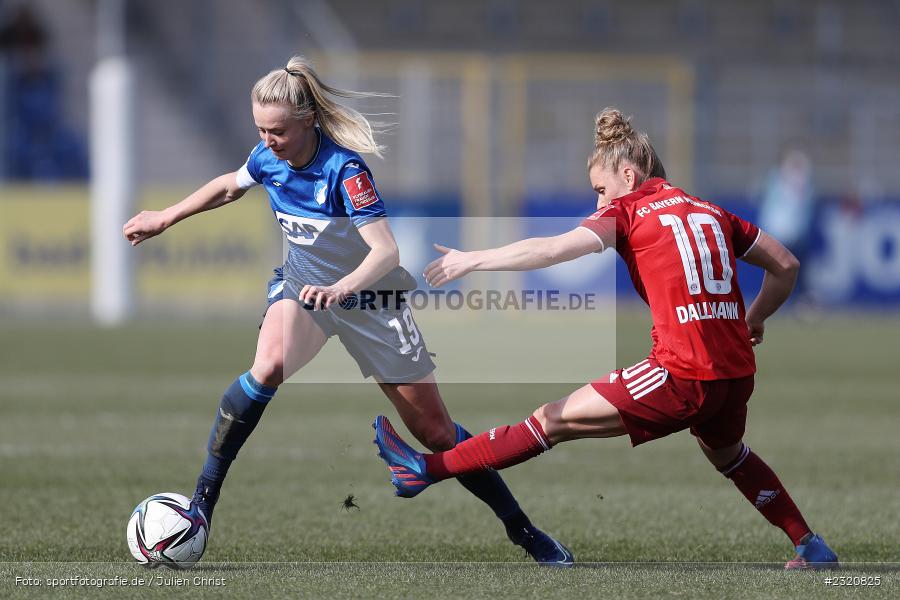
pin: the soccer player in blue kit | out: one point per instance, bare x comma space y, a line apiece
340, 247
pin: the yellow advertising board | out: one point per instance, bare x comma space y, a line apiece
219, 259
44, 244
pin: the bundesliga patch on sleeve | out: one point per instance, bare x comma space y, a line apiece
360, 189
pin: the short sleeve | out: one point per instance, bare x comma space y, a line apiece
361, 199
608, 224
744, 234
248, 175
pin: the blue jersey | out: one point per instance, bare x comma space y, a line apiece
320, 207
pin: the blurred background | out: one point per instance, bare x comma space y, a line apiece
785, 112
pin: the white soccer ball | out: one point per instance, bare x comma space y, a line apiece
166, 529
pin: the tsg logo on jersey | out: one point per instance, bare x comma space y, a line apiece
360, 189
321, 192
301, 230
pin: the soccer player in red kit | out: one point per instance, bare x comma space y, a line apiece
681, 253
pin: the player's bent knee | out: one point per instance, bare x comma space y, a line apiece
550, 418
721, 457
268, 370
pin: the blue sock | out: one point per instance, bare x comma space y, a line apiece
490, 488
239, 411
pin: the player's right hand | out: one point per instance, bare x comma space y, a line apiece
452, 265
144, 225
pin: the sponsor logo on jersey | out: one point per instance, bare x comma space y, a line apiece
276, 183
493, 433
360, 189
321, 192
301, 230
700, 311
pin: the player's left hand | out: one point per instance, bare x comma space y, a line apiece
757, 329
452, 265
322, 296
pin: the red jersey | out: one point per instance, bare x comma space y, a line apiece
681, 253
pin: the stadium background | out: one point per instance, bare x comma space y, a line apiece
492, 118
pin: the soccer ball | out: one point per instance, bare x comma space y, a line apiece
166, 529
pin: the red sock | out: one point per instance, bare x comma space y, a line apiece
498, 448
761, 487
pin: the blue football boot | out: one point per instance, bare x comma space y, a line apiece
409, 476
407, 466
814, 554
205, 498
545, 550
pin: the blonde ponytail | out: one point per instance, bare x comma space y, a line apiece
616, 140
298, 86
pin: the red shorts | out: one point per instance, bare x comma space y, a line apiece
653, 403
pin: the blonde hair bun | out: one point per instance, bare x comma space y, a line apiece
611, 127
615, 140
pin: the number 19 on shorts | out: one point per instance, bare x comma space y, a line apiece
406, 345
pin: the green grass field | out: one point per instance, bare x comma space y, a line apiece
91, 422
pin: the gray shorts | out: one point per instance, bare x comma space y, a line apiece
383, 339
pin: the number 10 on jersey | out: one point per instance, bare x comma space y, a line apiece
696, 221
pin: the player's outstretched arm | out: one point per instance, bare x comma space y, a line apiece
216, 193
781, 268
524, 255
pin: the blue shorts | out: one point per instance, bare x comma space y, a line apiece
383, 338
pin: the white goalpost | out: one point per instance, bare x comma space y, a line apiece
113, 168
